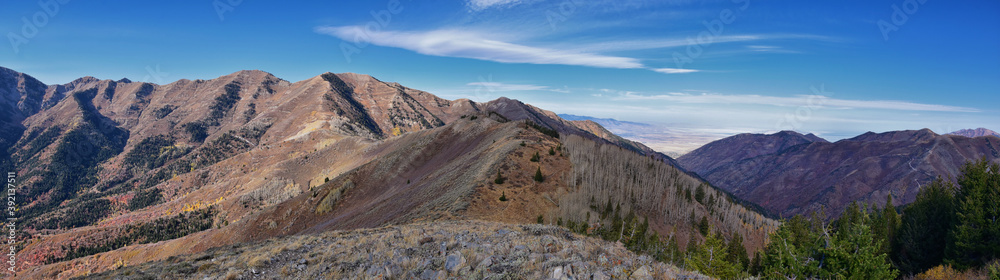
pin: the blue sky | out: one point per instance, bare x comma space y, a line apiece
836, 68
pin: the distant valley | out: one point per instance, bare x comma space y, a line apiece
663, 138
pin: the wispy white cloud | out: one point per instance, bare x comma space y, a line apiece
465, 44
801, 100
495, 86
479, 5
675, 70
648, 44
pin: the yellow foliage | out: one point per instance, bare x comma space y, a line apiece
396, 131
945, 272
192, 207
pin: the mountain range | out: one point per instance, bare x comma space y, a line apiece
975, 132
116, 173
788, 173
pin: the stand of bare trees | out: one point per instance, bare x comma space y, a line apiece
673, 201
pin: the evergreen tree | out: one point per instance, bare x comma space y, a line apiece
608, 208
703, 226
535, 157
710, 259
699, 195
976, 234
735, 253
538, 175
854, 253
803, 252
919, 244
499, 180
885, 223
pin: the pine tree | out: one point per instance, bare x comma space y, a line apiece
499, 180
703, 226
919, 244
535, 157
736, 254
885, 223
854, 253
608, 208
552, 152
503, 196
710, 259
976, 234
538, 175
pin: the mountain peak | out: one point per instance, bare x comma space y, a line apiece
84, 80
972, 133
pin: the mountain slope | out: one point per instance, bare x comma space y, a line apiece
811, 176
248, 156
740, 147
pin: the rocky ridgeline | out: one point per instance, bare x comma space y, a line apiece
443, 250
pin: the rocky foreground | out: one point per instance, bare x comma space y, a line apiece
439, 250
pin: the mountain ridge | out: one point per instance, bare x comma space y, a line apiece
250, 156
801, 178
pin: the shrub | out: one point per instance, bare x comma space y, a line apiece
535, 157
538, 175
503, 196
331, 198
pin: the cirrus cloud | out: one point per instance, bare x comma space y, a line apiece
465, 44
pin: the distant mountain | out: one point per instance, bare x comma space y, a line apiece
740, 147
603, 121
789, 173
979, 132
113, 167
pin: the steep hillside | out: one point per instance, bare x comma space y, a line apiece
812, 176
117, 170
447, 173
20, 97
